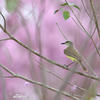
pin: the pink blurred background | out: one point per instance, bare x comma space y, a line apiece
33, 22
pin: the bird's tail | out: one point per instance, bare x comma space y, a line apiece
84, 68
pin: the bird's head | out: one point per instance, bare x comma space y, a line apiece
68, 43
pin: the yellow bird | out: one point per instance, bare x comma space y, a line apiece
73, 54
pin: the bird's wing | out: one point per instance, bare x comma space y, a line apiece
70, 51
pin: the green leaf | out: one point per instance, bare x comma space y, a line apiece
11, 5
66, 14
56, 11
76, 7
71, 5
64, 4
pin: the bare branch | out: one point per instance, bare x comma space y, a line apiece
4, 20
95, 18
35, 82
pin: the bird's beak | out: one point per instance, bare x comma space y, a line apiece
63, 43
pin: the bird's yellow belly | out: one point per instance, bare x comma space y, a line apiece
72, 58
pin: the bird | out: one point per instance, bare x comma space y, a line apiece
71, 52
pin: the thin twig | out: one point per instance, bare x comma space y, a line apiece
5, 39
4, 20
85, 8
95, 17
61, 32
